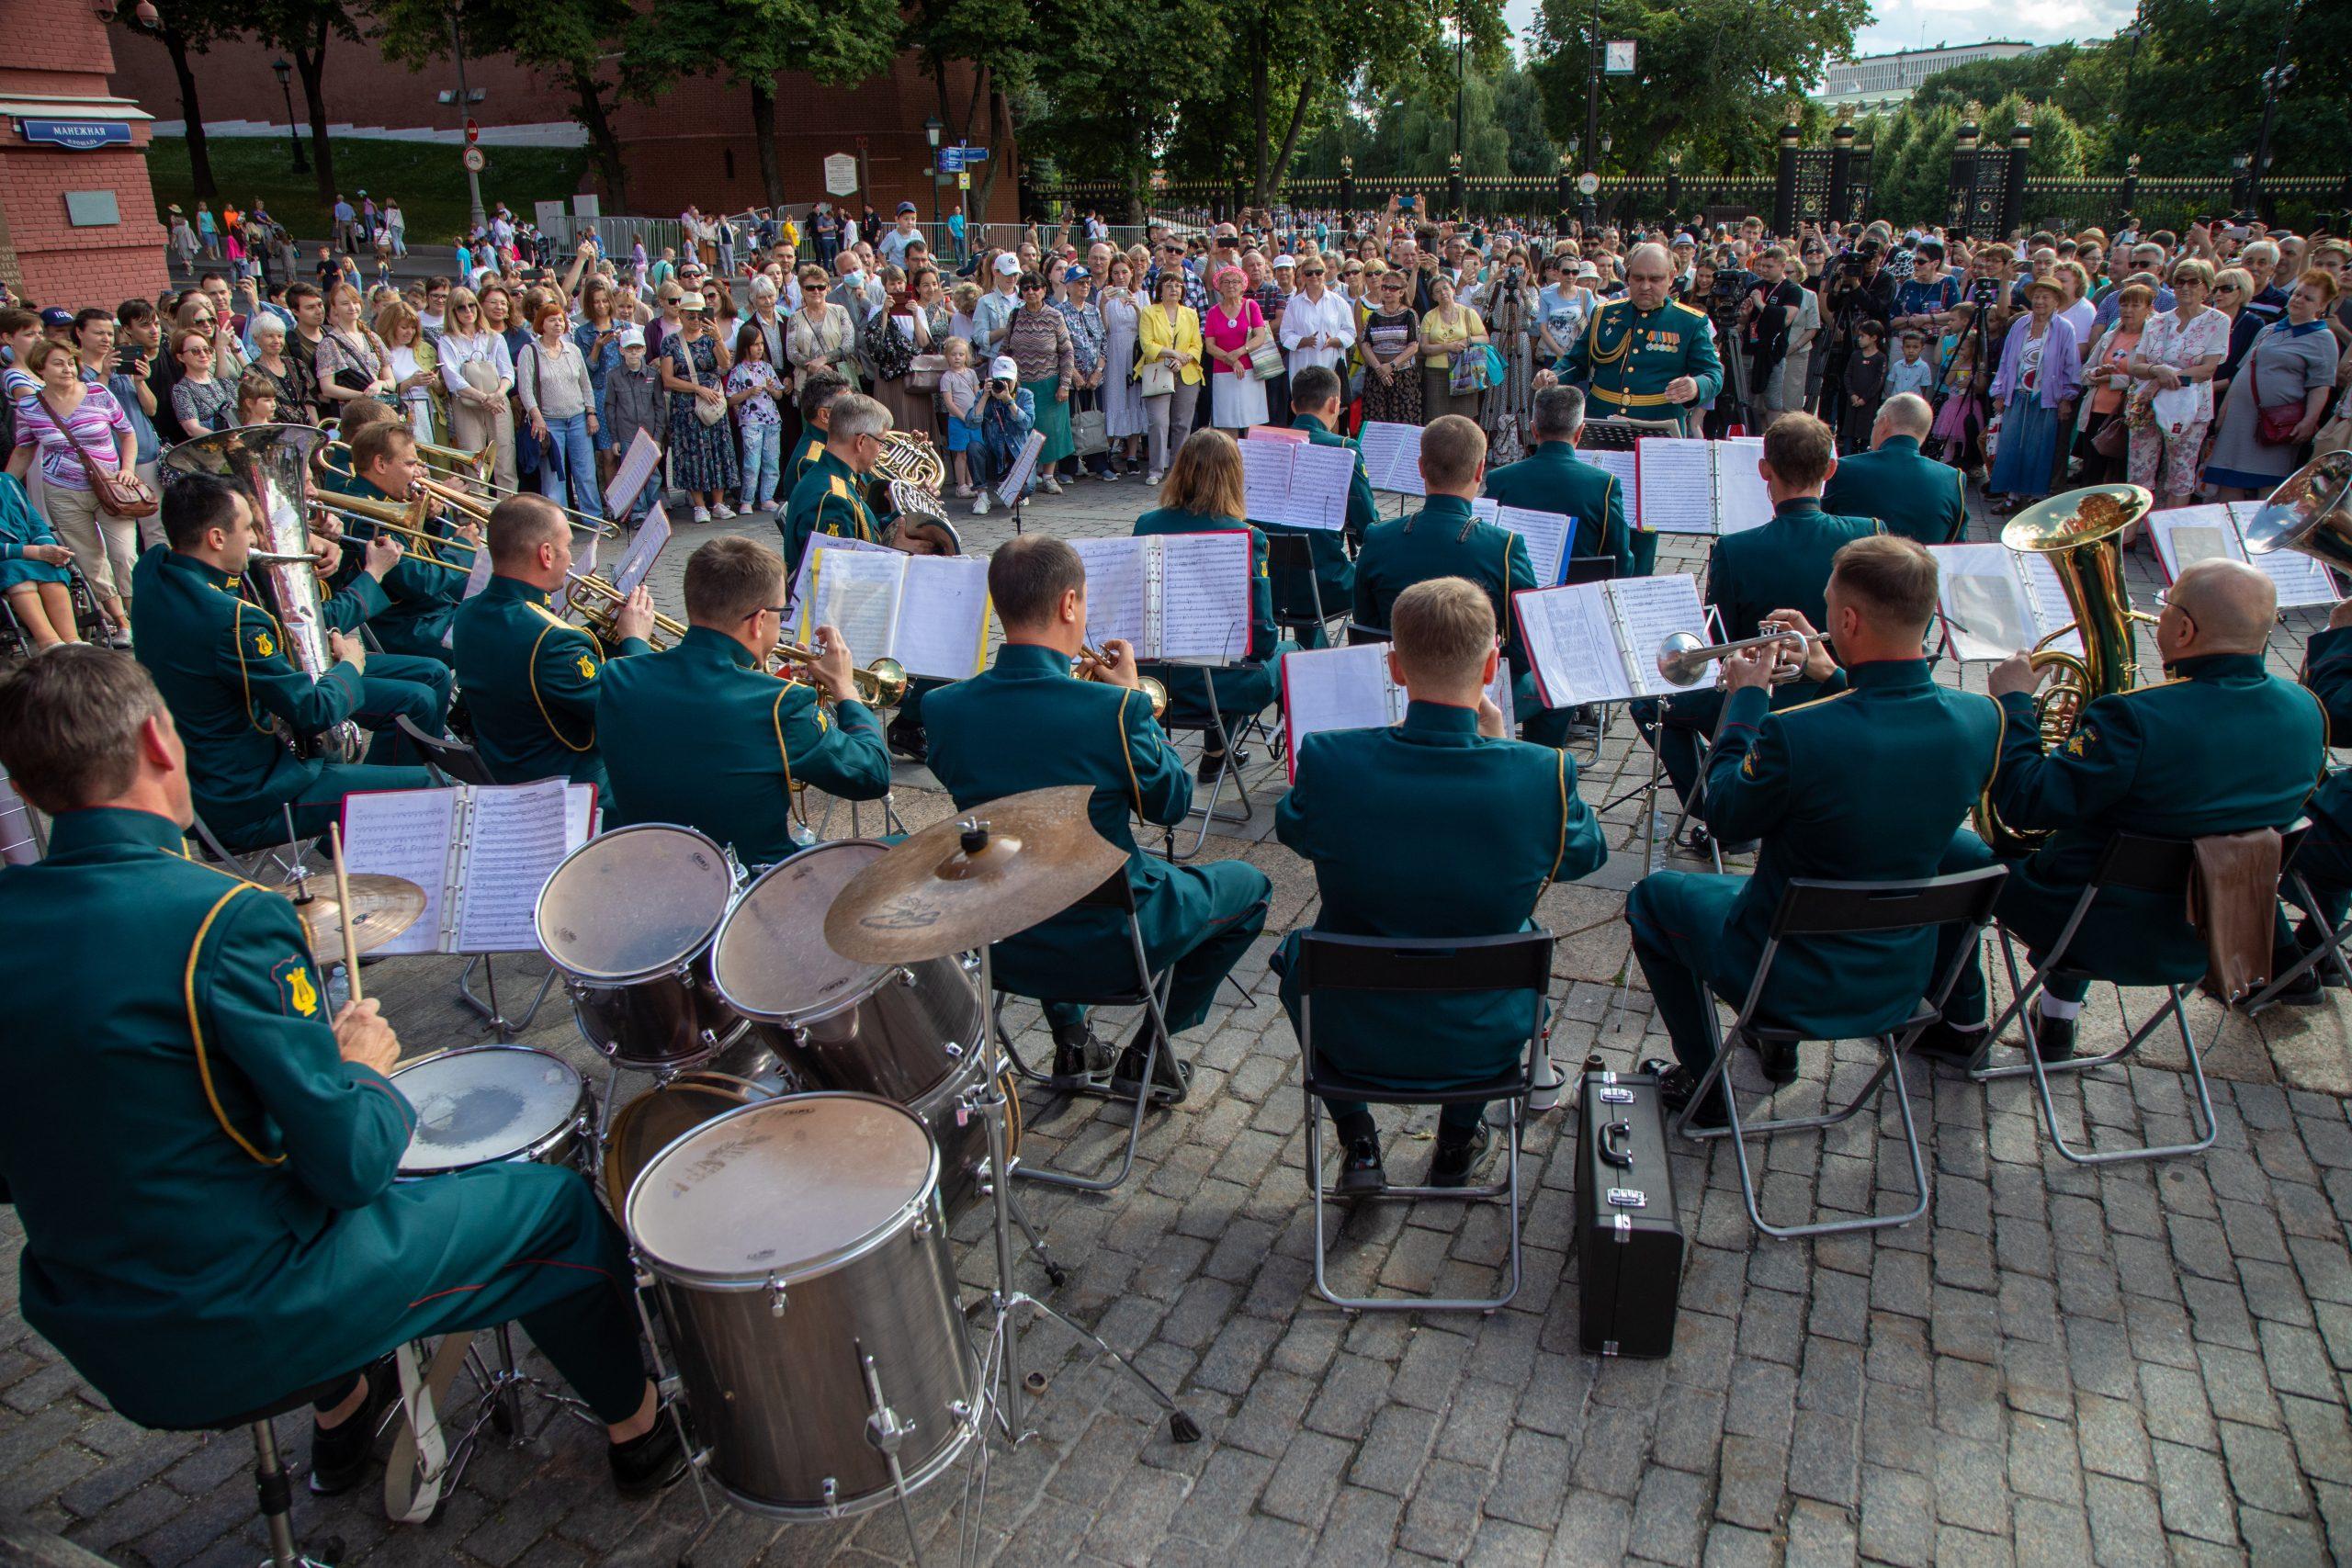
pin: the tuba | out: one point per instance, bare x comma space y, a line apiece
271, 464
2077, 533
2309, 512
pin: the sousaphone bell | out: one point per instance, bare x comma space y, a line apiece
2309, 512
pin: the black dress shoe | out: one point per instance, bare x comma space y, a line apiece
908, 740
1213, 764
1361, 1173
339, 1454
1455, 1158
1080, 1057
2054, 1038
650, 1462
1172, 1080
1780, 1059
1954, 1043
1676, 1084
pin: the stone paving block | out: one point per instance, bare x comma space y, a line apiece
1592, 1532
1309, 1474
1670, 1516
2262, 1469
1391, 1456
1443, 1514
2193, 1491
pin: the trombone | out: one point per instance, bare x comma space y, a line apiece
879, 685
1154, 689
394, 517
601, 608
450, 494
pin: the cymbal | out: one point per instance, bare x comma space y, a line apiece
976, 878
381, 907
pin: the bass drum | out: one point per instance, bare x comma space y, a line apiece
802, 1263
659, 1116
629, 918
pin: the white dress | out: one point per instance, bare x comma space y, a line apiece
1122, 395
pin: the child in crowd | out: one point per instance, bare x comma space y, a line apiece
256, 400
1957, 417
959, 394
1915, 372
1865, 387
634, 402
753, 388
1008, 414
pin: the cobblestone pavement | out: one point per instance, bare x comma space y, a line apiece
2129, 1366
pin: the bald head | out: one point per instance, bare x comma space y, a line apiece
1649, 273
2229, 606
1905, 413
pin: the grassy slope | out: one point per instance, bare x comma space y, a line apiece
424, 177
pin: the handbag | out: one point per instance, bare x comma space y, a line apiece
1466, 372
2113, 438
1090, 433
2275, 425
1495, 371
1266, 361
1155, 377
923, 372
350, 378
118, 494
710, 414
891, 355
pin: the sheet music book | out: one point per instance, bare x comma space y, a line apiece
1598, 642
1024, 463
822, 542
1350, 688
929, 612
2187, 535
642, 550
482, 853
636, 467
1177, 597
1687, 486
1273, 433
1392, 456
1996, 601
1296, 484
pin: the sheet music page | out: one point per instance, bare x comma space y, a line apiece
1626, 464
651, 534
1392, 457
1984, 602
1498, 693
1024, 463
1274, 433
404, 833
942, 616
521, 833
1546, 533
1678, 485
1744, 502
1204, 592
1265, 479
820, 543
1649, 608
2302, 582
1572, 644
1320, 478
2049, 597
1336, 688
1115, 587
636, 467
856, 594
1484, 508
478, 577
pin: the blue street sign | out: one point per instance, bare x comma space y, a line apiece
953, 160
81, 135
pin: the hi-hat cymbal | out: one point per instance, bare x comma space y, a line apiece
978, 877
381, 907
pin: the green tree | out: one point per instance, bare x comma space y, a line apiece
1093, 114
1001, 39
303, 29
1914, 185
184, 28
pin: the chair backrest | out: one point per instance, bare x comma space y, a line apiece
2145, 863
1114, 892
1358, 632
2290, 841
1518, 962
1590, 569
1813, 908
453, 759
1289, 550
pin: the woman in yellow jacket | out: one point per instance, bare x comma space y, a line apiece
1168, 334
1449, 331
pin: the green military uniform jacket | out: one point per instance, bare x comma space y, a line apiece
530, 678
424, 598
222, 666
2223, 747
1446, 539
1868, 783
1494, 823
1627, 356
1914, 496
829, 498
183, 1141
700, 734
805, 451
1248, 681
1335, 573
1027, 723
2327, 671
1550, 478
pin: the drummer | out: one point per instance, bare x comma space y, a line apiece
204, 1164
753, 740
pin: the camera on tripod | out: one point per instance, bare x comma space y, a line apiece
1985, 292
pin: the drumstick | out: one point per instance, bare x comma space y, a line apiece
343, 900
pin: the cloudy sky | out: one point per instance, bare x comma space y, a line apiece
1906, 24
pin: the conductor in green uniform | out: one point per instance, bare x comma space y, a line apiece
530, 676
1914, 496
1551, 479
2221, 746
424, 597
1025, 723
203, 1160
1870, 783
702, 734
1496, 822
223, 666
1314, 402
1645, 357
1446, 539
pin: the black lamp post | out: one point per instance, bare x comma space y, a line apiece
284, 73
931, 130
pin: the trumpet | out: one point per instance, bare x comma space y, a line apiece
601, 608
393, 518
1682, 658
879, 685
1155, 690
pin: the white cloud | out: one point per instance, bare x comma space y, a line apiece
1907, 24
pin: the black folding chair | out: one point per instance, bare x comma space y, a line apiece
2330, 948
2137, 862
1589, 569
1296, 552
1427, 967
269, 863
450, 759
1149, 992
1816, 908
1228, 745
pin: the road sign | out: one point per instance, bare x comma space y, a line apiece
1617, 57
841, 174
951, 158
1587, 183
963, 179
475, 163
473, 130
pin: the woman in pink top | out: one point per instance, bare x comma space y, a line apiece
68, 415
1232, 329
2107, 374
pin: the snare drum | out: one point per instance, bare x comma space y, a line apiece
894, 1031
485, 1104
629, 918
794, 1242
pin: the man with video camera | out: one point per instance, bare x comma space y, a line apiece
1859, 288
1718, 285
1766, 311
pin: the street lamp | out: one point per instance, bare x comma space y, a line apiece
284, 73
931, 130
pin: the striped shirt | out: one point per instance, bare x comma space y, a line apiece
93, 425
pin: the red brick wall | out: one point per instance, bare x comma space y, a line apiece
59, 47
